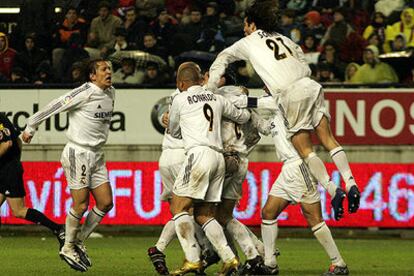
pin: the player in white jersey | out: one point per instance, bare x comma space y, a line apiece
294, 185
281, 65
89, 108
195, 116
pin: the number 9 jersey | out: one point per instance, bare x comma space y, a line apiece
196, 115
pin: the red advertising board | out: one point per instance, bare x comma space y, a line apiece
372, 117
387, 195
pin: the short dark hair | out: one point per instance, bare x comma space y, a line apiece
265, 15
90, 67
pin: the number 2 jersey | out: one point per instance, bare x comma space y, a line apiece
90, 111
276, 59
196, 115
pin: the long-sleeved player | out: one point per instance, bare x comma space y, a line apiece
90, 108
281, 65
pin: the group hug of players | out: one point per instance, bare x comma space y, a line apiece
211, 127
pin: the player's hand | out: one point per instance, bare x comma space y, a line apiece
26, 137
165, 119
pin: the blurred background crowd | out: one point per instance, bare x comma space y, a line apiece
344, 41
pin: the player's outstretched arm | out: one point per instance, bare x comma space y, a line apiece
67, 102
231, 112
174, 119
224, 58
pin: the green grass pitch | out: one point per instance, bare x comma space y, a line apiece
126, 255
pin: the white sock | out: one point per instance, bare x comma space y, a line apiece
257, 243
241, 235
269, 236
339, 157
215, 235
92, 221
318, 170
324, 236
72, 227
184, 227
167, 235
230, 241
202, 239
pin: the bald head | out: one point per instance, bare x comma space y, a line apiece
188, 74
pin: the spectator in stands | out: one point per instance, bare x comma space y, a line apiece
350, 71
176, 7
311, 49
151, 46
147, 9
211, 38
18, 76
325, 73
44, 74
188, 34
312, 26
135, 28
75, 73
374, 39
7, 56
326, 9
377, 27
330, 56
153, 76
289, 27
242, 6
164, 28
71, 24
30, 57
102, 32
339, 30
121, 43
399, 43
75, 53
373, 70
405, 26
128, 73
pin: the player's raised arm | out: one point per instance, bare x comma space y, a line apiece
231, 112
69, 101
229, 55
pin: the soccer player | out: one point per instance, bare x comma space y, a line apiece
11, 180
170, 163
294, 185
281, 65
195, 116
90, 108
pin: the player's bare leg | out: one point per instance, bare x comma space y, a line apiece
239, 232
204, 214
325, 135
103, 198
313, 215
301, 140
271, 210
68, 252
19, 210
184, 227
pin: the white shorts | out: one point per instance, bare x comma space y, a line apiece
201, 176
83, 168
170, 163
233, 183
303, 106
295, 184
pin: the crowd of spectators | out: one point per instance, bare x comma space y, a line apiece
344, 41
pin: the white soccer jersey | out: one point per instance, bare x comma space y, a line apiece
277, 60
169, 142
90, 111
196, 115
234, 134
